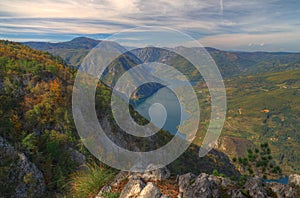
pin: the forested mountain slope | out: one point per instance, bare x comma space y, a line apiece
36, 122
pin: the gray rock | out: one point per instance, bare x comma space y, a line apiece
294, 179
156, 174
184, 181
254, 186
105, 189
77, 157
133, 188
237, 194
19, 176
282, 190
202, 188
152, 174
119, 178
150, 191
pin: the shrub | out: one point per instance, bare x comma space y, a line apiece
215, 172
87, 183
111, 195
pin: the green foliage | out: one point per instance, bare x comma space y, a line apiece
242, 180
112, 195
29, 143
33, 104
278, 94
87, 182
260, 163
215, 172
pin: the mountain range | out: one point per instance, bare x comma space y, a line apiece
230, 63
262, 92
42, 151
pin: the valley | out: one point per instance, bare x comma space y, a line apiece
36, 118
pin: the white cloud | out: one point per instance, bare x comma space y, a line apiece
221, 18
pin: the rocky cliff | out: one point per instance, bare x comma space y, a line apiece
19, 176
161, 184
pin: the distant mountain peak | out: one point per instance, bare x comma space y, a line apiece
83, 39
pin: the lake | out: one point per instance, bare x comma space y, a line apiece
283, 180
172, 108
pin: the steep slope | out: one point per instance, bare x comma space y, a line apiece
34, 114
74, 51
36, 119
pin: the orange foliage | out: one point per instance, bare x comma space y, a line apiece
55, 89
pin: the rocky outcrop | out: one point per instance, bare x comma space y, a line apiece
281, 190
254, 187
154, 174
19, 177
233, 146
184, 181
294, 179
154, 184
137, 188
139, 185
150, 190
201, 187
133, 188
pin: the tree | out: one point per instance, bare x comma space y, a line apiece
258, 162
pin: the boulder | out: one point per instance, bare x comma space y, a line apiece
202, 188
184, 181
77, 157
133, 188
150, 191
254, 187
152, 173
294, 179
156, 174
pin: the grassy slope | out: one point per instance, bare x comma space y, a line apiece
277, 92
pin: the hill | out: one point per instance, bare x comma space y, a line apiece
39, 139
265, 108
72, 51
230, 63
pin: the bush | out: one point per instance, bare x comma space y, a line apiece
215, 172
111, 195
88, 182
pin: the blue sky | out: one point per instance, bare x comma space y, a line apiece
248, 25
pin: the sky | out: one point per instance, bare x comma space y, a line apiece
244, 25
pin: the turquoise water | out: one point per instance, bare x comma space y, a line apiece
283, 180
166, 98
172, 106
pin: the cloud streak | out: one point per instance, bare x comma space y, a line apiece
204, 20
